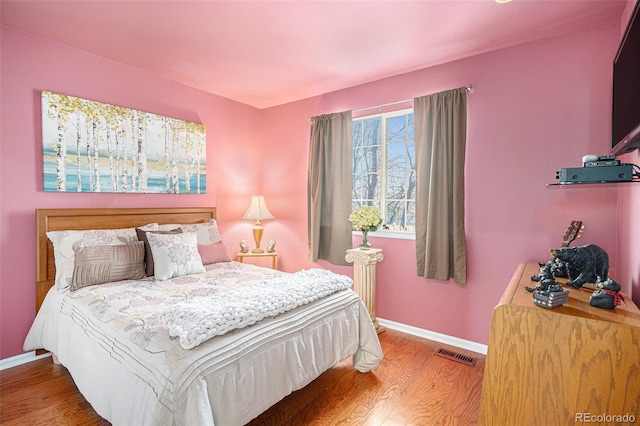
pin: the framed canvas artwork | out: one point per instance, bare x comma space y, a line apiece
90, 146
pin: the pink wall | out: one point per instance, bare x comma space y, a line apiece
629, 232
533, 109
32, 64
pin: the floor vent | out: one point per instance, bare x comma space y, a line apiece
456, 357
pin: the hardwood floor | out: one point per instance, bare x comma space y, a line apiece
411, 386
43, 393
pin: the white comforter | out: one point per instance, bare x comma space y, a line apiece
124, 362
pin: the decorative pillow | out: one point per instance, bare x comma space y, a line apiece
207, 232
213, 253
65, 241
148, 257
103, 264
174, 255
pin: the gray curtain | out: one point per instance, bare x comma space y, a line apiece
440, 122
330, 185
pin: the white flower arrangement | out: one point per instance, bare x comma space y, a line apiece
365, 218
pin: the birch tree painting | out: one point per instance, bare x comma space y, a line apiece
95, 147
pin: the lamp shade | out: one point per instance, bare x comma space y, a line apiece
257, 209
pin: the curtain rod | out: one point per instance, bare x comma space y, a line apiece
394, 103
391, 103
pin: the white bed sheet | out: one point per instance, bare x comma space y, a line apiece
226, 381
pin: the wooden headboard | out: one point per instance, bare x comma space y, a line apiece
78, 219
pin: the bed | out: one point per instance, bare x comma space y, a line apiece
111, 337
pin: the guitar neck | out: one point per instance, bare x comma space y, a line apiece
572, 233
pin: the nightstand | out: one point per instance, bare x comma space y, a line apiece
273, 255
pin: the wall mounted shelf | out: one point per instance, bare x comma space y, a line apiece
588, 184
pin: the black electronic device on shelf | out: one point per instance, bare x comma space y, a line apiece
598, 174
598, 169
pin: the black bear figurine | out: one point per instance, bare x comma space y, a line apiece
585, 264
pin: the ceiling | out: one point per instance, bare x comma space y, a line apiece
266, 53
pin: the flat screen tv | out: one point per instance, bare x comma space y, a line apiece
626, 89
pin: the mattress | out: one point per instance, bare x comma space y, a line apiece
132, 372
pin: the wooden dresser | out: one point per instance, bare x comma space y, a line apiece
563, 365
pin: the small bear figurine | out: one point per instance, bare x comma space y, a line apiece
271, 247
554, 268
244, 247
607, 295
585, 264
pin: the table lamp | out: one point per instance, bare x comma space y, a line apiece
257, 211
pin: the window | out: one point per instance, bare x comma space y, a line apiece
384, 167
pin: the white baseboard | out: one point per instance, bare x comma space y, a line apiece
14, 361
437, 337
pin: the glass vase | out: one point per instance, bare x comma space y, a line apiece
365, 244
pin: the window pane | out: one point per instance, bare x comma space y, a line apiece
400, 128
395, 214
367, 157
367, 132
365, 187
383, 167
400, 215
400, 176
400, 184
411, 215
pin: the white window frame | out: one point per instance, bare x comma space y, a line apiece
383, 233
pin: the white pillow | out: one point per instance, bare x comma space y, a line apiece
207, 232
174, 255
64, 243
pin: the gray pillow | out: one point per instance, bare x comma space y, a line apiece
148, 257
103, 264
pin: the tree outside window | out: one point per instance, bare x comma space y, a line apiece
384, 167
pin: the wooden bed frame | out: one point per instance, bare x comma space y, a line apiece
109, 218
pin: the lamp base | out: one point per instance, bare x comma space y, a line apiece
257, 236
